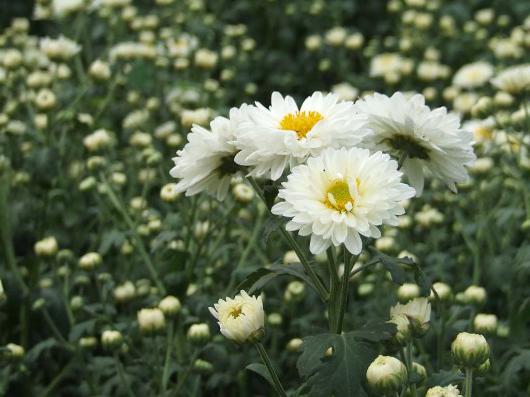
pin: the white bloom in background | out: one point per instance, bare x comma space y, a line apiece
132, 50
342, 194
99, 139
270, 139
473, 74
345, 91
482, 130
390, 65
65, 7
151, 320
428, 140
514, 79
447, 391
240, 318
61, 48
206, 163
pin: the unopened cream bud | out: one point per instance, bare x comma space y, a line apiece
45, 99
202, 366
199, 334
386, 375
88, 342
295, 291
475, 295
407, 292
290, 257
470, 350
111, 339
402, 335
169, 192
170, 306
99, 70
243, 193
294, 345
485, 324
275, 319
484, 367
419, 373
90, 260
442, 290
76, 303
46, 247
15, 352
151, 320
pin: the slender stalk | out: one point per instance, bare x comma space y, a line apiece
333, 288
182, 379
409, 367
53, 327
319, 285
53, 384
469, 382
143, 253
266, 360
344, 288
121, 374
167, 359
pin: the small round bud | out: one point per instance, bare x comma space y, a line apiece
170, 306
124, 292
386, 375
151, 320
111, 339
275, 319
419, 373
485, 324
470, 350
15, 352
88, 342
199, 334
475, 295
290, 257
402, 335
90, 260
38, 305
443, 290
46, 247
243, 193
295, 291
99, 70
484, 367
294, 345
202, 366
76, 303
407, 292
169, 192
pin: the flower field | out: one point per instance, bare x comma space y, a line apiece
265, 198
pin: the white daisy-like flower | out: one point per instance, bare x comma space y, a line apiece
424, 140
285, 135
514, 79
473, 74
341, 195
447, 391
241, 318
206, 163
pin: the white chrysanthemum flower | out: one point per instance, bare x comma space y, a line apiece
473, 74
514, 79
206, 163
60, 48
66, 7
284, 134
342, 194
417, 311
424, 139
241, 318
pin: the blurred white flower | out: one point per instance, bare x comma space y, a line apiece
425, 140
473, 74
447, 391
61, 48
340, 195
66, 7
241, 318
514, 79
271, 139
417, 311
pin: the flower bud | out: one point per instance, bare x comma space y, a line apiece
386, 375
14, 352
295, 291
88, 342
485, 323
407, 292
482, 108
111, 339
46, 247
275, 319
470, 350
402, 335
76, 303
99, 70
475, 295
294, 345
419, 373
443, 290
290, 257
243, 193
199, 334
124, 292
170, 306
418, 312
169, 192
484, 367
202, 366
90, 260
151, 320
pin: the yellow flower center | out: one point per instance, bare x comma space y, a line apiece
236, 311
300, 122
338, 196
483, 134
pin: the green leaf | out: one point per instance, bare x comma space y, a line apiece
376, 331
270, 226
341, 374
257, 280
398, 274
444, 378
261, 370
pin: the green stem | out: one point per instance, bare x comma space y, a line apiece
319, 285
143, 253
266, 360
182, 379
121, 374
344, 288
167, 359
333, 288
53, 327
58, 378
469, 382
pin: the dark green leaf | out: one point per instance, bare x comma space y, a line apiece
261, 370
444, 378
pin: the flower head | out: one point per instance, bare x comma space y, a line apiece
207, 161
425, 140
417, 311
241, 318
514, 79
386, 375
342, 194
270, 139
447, 391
